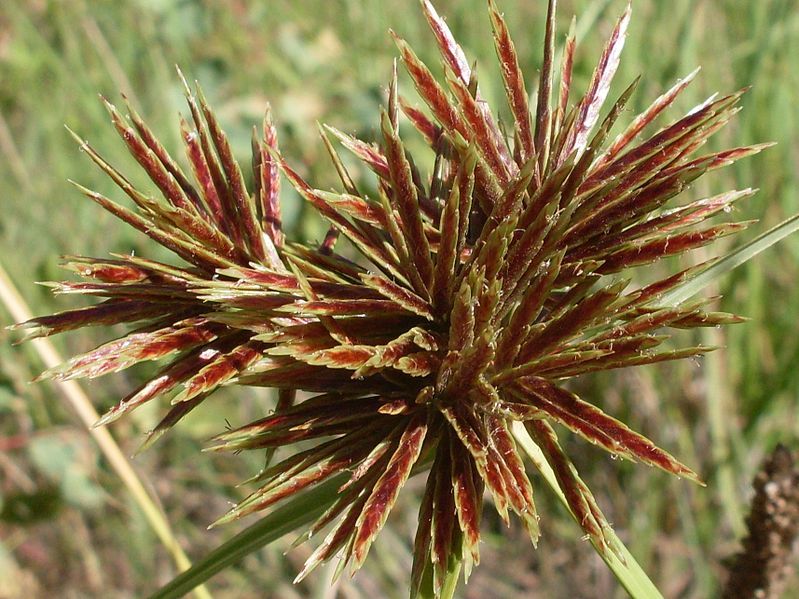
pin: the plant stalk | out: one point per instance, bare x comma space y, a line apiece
80, 402
628, 572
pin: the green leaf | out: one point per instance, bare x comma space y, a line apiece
80, 490
732, 260
298, 512
629, 574
65, 459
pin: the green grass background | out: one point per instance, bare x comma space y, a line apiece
67, 525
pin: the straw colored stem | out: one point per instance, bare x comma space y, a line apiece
77, 398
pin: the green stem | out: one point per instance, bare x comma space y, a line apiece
451, 579
427, 589
427, 586
628, 572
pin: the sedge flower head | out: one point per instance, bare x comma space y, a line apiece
485, 282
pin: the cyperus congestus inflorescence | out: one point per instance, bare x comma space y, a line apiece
484, 284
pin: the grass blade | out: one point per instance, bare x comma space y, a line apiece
729, 262
629, 574
300, 511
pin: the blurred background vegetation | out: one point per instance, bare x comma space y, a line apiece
67, 525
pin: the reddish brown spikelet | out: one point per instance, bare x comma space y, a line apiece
388, 486
588, 109
514, 82
407, 200
270, 182
482, 287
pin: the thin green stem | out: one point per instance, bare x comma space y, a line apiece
427, 586
451, 579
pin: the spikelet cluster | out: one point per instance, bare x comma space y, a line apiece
485, 283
